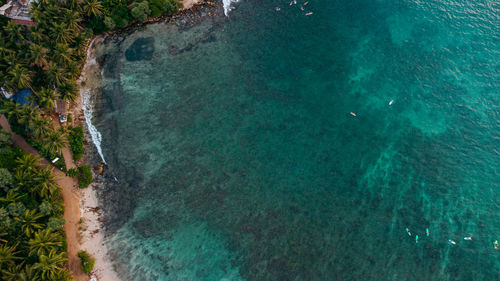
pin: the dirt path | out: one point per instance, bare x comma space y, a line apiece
66, 151
187, 4
68, 157
71, 197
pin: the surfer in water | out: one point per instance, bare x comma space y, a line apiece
408, 231
427, 232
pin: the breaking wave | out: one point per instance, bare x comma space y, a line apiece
228, 5
88, 110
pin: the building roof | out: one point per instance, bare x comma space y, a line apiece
18, 10
61, 106
22, 96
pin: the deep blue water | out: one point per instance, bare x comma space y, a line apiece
237, 156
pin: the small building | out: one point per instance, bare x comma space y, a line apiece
61, 107
18, 11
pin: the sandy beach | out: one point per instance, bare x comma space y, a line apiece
91, 235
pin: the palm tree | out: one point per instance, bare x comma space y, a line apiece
25, 181
20, 77
62, 33
12, 110
49, 266
55, 141
46, 98
62, 54
38, 34
76, 5
27, 163
12, 273
38, 56
80, 44
8, 255
12, 196
28, 274
14, 32
40, 128
63, 275
92, 8
72, 18
28, 114
1, 235
30, 222
55, 75
46, 182
68, 91
10, 59
44, 241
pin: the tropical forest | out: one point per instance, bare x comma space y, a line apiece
45, 60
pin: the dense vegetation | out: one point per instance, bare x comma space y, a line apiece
87, 262
47, 59
76, 139
84, 176
32, 245
120, 13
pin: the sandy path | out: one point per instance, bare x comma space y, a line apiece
187, 4
70, 194
68, 157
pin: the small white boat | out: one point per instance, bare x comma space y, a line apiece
452, 242
390, 103
308, 14
352, 113
468, 238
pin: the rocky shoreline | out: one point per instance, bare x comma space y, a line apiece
93, 226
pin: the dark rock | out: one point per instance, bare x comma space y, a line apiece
141, 49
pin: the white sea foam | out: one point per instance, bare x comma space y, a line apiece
228, 5
88, 110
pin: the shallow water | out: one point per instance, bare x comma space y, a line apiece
237, 157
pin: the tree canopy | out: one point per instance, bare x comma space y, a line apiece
32, 241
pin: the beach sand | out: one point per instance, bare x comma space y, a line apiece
93, 237
187, 4
91, 234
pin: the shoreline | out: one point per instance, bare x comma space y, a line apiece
90, 223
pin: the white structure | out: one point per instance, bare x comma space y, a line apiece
18, 11
6, 94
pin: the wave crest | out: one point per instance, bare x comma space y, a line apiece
227, 4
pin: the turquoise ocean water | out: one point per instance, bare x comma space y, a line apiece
237, 157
